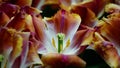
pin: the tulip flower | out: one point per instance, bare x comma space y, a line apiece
59, 39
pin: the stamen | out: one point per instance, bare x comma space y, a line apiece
67, 43
60, 41
53, 42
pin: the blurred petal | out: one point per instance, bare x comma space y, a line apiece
88, 17
30, 10
96, 6
109, 28
4, 19
39, 27
12, 47
111, 8
9, 9
62, 61
24, 2
107, 51
22, 22
33, 57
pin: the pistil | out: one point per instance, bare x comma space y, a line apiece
60, 41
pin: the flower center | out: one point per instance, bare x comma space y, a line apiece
60, 37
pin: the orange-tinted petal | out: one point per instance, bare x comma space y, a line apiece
30, 10
4, 19
9, 9
39, 26
24, 2
95, 5
22, 22
88, 17
32, 56
9, 46
53, 60
109, 28
107, 51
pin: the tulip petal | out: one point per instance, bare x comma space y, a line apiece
109, 27
54, 60
64, 22
107, 51
4, 19
88, 17
22, 22
9, 9
96, 6
80, 41
41, 35
30, 10
33, 57
24, 2
12, 47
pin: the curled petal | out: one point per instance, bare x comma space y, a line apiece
22, 22
111, 8
107, 51
4, 19
53, 60
9, 9
109, 28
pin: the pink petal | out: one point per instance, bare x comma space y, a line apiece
54, 60
39, 27
64, 22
